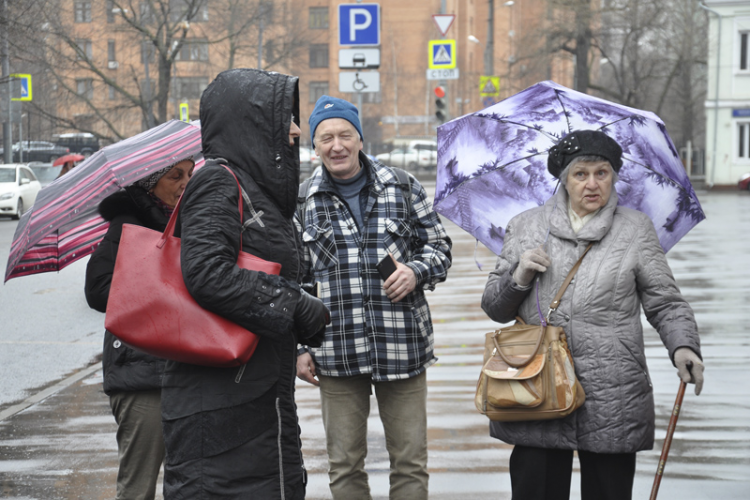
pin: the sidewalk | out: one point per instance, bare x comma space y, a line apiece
63, 445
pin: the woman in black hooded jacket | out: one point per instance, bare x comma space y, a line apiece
233, 432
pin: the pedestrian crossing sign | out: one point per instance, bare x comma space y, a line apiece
489, 86
442, 54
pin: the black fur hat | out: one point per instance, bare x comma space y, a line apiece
583, 143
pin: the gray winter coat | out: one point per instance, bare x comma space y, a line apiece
600, 312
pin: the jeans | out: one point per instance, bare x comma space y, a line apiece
140, 443
403, 410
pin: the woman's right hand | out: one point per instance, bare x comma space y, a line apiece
532, 261
310, 319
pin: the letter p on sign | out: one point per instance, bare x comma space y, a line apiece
359, 24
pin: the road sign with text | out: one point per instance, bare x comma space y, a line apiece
359, 24
442, 74
442, 54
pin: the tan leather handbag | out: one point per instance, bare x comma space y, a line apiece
528, 371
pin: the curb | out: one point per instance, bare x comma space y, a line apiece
41, 396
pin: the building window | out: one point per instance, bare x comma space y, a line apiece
83, 12
319, 55
193, 50
147, 51
85, 87
145, 12
317, 90
180, 10
111, 56
318, 18
111, 11
188, 87
743, 141
85, 49
743, 51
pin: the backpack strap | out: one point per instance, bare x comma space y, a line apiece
404, 181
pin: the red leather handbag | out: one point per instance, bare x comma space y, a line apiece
150, 309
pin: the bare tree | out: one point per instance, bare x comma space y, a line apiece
151, 36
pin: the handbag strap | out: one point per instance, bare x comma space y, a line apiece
543, 325
169, 230
556, 301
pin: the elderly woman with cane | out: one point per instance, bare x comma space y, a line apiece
626, 269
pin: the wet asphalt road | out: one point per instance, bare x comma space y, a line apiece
64, 447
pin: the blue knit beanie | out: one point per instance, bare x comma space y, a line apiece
333, 107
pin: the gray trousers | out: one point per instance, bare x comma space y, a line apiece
345, 403
140, 443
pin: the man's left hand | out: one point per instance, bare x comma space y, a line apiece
401, 283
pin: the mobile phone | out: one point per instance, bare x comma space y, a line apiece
386, 266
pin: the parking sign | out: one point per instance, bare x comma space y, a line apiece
359, 24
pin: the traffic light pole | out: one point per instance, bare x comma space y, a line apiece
443, 83
5, 56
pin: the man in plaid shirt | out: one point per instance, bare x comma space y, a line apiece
353, 213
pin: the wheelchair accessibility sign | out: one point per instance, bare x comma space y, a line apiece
442, 54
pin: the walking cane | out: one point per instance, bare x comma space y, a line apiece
668, 440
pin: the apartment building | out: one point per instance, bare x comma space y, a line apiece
107, 63
728, 97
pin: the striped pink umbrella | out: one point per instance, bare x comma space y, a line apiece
63, 225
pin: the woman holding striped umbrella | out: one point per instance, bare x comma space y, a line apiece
132, 379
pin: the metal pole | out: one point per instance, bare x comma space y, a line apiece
262, 9
147, 92
20, 139
716, 92
5, 56
359, 108
489, 47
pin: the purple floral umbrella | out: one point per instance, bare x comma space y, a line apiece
492, 164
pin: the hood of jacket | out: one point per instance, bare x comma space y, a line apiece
135, 201
245, 118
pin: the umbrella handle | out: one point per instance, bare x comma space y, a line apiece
668, 440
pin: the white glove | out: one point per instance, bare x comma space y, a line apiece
689, 367
531, 262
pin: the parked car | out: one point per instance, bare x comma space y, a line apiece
83, 143
427, 153
45, 172
37, 151
417, 155
402, 157
744, 182
18, 189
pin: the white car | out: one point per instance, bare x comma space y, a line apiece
401, 157
18, 189
418, 155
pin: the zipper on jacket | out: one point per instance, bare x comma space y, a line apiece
240, 372
296, 418
281, 454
